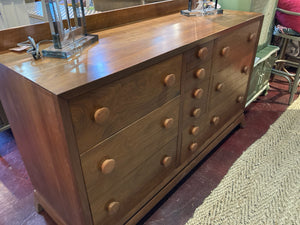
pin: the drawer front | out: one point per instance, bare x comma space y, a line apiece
199, 57
131, 192
228, 88
104, 111
236, 48
195, 106
197, 76
194, 137
133, 144
228, 108
118, 157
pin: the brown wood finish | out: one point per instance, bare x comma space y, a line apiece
186, 168
128, 143
45, 151
116, 51
191, 103
194, 61
144, 75
127, 99
134, 187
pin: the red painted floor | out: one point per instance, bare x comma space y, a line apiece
16, 191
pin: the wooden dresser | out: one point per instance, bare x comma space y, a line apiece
106, 134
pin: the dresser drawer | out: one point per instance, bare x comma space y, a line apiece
133, 190
228, 89
199, 57
194, 136
232, 48
199, 75
104, 111
224, 109
109, 162
195, 101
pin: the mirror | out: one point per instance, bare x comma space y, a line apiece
15, 13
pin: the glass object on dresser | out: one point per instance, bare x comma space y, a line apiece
202, 8
67, 41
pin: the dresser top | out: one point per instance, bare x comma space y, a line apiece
123, 50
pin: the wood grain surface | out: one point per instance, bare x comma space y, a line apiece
125, 49
148, 146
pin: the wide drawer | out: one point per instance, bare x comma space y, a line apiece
104, 111
133, 144
133, 190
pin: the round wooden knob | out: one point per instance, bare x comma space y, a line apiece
107, 166
200, 73
193, 147
101, 115
166, 161
225, 51
168, 122
203, 53
196, 112
195, 130
251, 36
220, 86
198, 93
215, 120
245, 69
170, 80
240, 99
113, 208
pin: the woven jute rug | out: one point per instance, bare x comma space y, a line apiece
263, 185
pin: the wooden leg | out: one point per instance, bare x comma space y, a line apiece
295, 85
243, 123
37, 205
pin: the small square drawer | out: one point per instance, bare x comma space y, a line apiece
102, 112
199, 56
194, 135
198, 75
195, 101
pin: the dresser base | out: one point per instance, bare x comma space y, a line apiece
42, 205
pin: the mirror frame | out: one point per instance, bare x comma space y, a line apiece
96, 22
